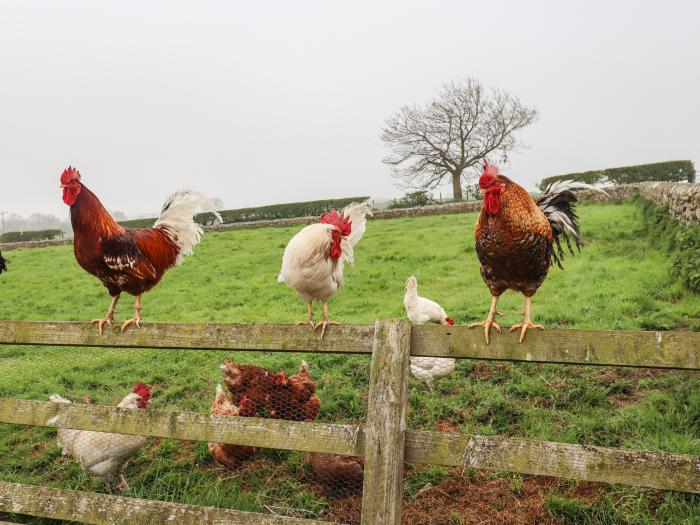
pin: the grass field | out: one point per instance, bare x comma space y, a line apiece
619, 281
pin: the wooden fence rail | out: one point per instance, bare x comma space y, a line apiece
384, 441
679, 350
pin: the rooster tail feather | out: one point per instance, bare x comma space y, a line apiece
358, 218
558, 205
3, 266
177, 219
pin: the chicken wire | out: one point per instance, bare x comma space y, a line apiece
295, 387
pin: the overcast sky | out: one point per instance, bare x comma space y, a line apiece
267, 102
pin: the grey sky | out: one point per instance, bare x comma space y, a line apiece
266, 102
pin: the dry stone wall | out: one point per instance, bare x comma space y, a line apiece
682, 200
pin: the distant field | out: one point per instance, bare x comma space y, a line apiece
618, 281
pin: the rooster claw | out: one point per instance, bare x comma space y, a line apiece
101, 322
310, 322
324, 325
524, 327
487, 327
134, 320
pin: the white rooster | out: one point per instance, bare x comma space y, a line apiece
420, 311
102, 453
312, 264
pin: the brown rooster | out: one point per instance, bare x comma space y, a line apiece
131, 260
231, 456
517, 239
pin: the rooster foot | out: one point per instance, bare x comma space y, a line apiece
524, 327
324, 325
122, 486
309, 322
102, 322
487, 327
136, 320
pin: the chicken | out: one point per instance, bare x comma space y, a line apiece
102, 453
338, 472
3, 264
230, 456
517, 239
420, 311
248, 380
131, 260
275, 395
429, 369
294, 398
312, 264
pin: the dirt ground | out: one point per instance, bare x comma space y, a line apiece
484, 499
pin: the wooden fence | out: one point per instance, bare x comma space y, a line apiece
384, 440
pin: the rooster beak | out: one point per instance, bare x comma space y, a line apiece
482, 191
63, 186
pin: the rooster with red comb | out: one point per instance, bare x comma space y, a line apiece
312, 264
131, 260
518, 239
104, 454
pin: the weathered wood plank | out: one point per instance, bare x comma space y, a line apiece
589, 347
657, 470
347, 339
272, 433
101, 509
649, 469
385, 433
679, 350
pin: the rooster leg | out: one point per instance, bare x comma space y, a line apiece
490, 320
326, 320
527, 322
109, 318
122, 486
310, 315
137, 315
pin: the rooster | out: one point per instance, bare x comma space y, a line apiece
131, 260
102, 453
312, 264
231, 456
420, 311
518, 239
3, 264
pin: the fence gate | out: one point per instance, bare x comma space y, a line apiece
384, 441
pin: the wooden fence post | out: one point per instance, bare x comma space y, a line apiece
385, 431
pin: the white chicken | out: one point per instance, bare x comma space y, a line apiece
312, 264
420, 311
102, 453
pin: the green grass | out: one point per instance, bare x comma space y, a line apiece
618, 281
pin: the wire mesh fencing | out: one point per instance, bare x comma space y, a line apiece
291, 387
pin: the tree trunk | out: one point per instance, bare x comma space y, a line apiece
457, 186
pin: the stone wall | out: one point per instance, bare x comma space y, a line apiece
682, 200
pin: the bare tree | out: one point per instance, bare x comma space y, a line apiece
452, 133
